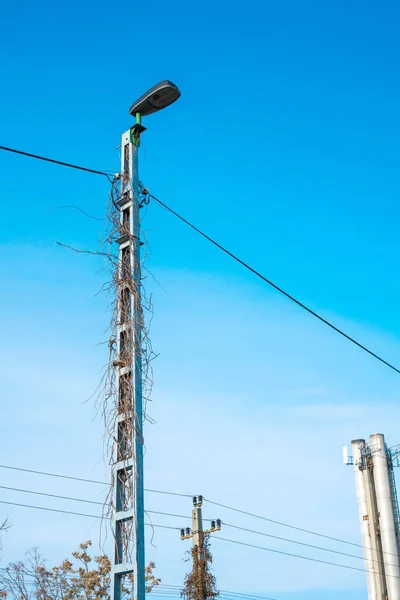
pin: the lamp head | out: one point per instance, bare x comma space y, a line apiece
156, 98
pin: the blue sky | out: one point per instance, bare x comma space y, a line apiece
284, 148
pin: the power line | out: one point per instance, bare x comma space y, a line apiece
173, 591
53, 475
231, 595
56, 162
60, 476
169, 515
4, 487
221, 595
56, 510
152, 512
237, 594
240, 595
282, 539
317, 560
309, 531
82, 211
165, 514
166, 585
70, 512
168, 493
275, 522
162, 526
161, 593
274, 285
220, 247
169, 590
178, 529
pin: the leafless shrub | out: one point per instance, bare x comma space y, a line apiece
80, 578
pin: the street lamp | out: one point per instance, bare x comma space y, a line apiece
156, 98
127, 472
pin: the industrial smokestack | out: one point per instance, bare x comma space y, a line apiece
379, 515
365, 523
387, 519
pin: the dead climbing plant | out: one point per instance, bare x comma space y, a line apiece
127, 378
200, 583
129, 345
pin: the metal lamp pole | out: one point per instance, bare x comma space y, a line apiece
127, 467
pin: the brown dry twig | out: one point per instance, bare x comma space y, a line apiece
128, 344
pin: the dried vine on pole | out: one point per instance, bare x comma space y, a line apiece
116, 390
200, 583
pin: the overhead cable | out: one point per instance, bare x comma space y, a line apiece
282, 524
73, 499
237, 510
60, 476
56, 162
271, 283
153, 512
317, 560
162, 588
178, 529
225, 592
282, 539
4, 487
220, 247
70, 512
163, 514
162, 591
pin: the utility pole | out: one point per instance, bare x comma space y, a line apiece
128, 565
197, 534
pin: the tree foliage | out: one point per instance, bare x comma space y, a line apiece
200, 583
82, 578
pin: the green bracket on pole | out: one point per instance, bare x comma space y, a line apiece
136, 130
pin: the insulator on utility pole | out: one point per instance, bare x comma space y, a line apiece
201, 578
